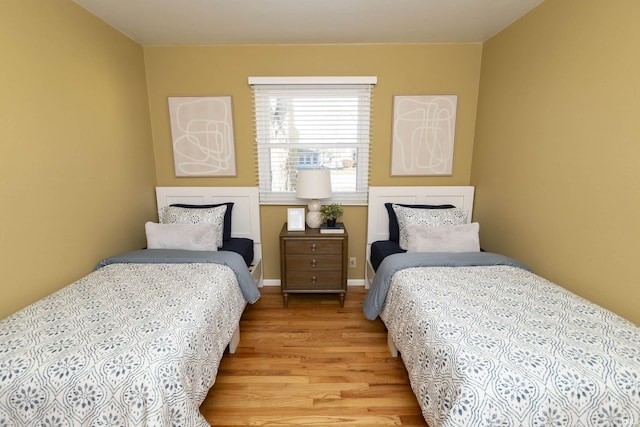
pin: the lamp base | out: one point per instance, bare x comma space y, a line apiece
314, 216
314, 219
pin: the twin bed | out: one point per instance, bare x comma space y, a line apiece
484, 340
139, 340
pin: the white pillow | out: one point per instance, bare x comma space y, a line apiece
426, 218
178, 215
454, 238
189, 237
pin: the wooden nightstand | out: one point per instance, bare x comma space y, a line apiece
311, 262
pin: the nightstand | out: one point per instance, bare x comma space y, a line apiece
312, 262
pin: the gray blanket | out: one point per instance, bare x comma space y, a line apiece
171, 256
374, 301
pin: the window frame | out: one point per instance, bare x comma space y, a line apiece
362, 145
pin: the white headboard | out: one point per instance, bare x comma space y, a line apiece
245, 216
378, 225
378, 221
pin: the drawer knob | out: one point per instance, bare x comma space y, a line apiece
313, 263
314, 279
313, 247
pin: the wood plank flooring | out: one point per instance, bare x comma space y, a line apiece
312, 363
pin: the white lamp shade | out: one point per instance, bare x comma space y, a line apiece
314, 184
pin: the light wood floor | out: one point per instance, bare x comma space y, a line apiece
312, 363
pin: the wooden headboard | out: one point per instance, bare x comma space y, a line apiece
378, 220
245, 216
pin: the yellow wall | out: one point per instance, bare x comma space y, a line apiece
76, 160
401, 70
556, 159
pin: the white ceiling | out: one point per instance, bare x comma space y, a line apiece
211, 22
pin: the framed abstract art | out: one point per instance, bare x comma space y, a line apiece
423, 135
202, 136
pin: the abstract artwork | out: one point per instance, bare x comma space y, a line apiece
423, 135
202, 135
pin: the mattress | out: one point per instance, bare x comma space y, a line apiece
499, 345
132, 343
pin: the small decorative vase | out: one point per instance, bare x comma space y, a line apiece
331, 222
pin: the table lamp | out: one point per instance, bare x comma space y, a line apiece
314, 184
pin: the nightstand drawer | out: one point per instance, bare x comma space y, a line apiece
316, 280
314, 262
303, 246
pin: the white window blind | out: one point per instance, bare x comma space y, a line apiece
312, 123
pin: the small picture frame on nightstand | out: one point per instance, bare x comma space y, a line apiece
295, 219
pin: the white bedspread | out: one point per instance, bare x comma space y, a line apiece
129, 344
498, 345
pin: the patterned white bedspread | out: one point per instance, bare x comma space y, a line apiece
129, 344
500, 346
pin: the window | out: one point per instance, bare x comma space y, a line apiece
312, 123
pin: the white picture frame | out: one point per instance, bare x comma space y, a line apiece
202, 136
423, 135
295, 219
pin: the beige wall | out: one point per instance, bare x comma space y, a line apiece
76, 160
401, 70
556, 160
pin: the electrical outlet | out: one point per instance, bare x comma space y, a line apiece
352, 262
